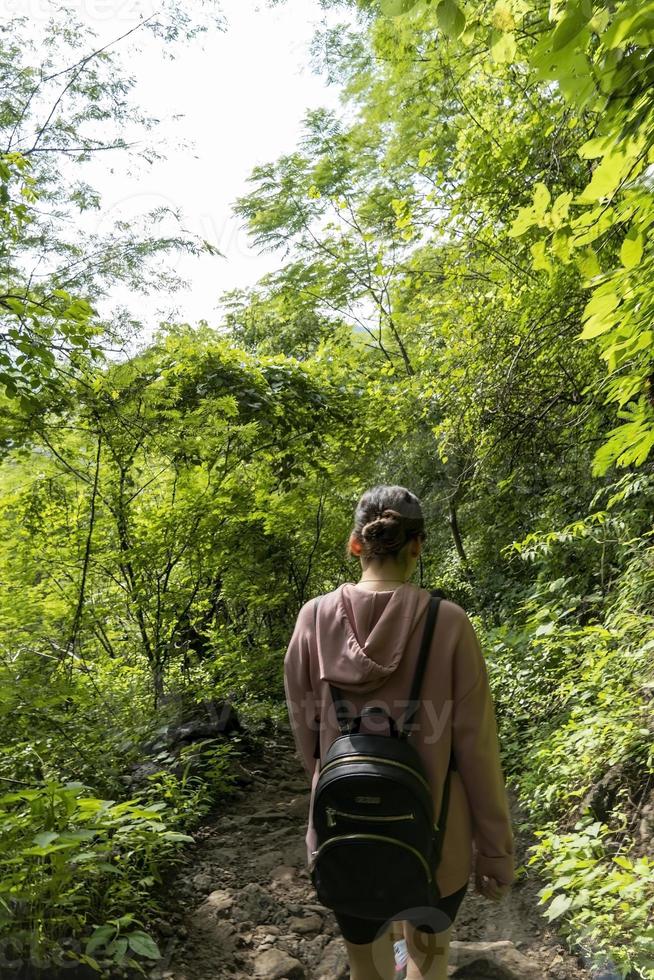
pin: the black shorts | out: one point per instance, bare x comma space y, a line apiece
430, 920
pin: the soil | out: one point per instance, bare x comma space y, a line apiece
242, 904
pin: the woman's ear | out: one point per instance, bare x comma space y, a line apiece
355, 546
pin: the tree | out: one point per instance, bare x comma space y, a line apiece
60, 110
597, 56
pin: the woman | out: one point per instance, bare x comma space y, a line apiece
365, 641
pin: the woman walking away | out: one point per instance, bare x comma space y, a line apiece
427, 782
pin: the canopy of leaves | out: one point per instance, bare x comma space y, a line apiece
462, 307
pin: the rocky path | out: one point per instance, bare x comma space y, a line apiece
242, 905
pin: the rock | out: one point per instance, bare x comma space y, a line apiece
202, 882
266, 862
307, 923
230, 822
299, 807
295, 854
227, 855
141, 772
213, 932
482, 969
220, 719
462, 953
282, 832
602, 794
275, 964
241, 776
284, 873
220, 900
492, 961
333, 964
256, 904
262, 816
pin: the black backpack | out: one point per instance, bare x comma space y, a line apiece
377, 843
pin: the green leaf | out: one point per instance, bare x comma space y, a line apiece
560, 905
393, 8
561, 207
100, 937
595, 327
541, 261
525, 219
600, 304
575, 19
594, 148
600, 314
117, 949
144, 945
450, 18
614, 167
631, 250
587, 263
626, 23
503, 18
542, 199
503, 48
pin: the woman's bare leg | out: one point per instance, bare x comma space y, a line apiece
428, 953
372, 961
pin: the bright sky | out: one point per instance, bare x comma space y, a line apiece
243, 94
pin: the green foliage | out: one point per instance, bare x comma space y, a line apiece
605, 895
599, 58
37, 322
464, 308
202, 774
67, 97
493, 183
71, 863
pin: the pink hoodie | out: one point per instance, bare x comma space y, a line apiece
367, 645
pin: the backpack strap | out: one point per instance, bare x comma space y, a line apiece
316, 751
427, 634
339, 701
432, 614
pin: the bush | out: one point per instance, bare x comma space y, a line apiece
73, 865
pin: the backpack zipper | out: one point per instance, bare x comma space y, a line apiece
375, 758
332, 813
389, 840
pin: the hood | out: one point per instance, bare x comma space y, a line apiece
362, 635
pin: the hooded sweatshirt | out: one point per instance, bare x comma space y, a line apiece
367, 643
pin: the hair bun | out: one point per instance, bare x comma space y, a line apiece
385, 532
386, 518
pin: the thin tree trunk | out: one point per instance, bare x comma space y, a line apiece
70, 645
456, 534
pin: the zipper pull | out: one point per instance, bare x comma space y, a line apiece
331, 822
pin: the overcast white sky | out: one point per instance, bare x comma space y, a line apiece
243, 94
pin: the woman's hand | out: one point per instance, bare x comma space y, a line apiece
490, 887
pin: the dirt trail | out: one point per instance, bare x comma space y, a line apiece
242, 906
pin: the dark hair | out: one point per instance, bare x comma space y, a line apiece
385, 518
